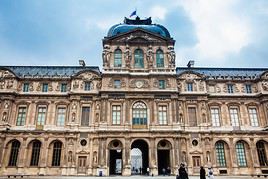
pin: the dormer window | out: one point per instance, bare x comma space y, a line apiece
26, 87
88, 86
189, 86
117, 58
138, 59
162, 84
230, 88
45, 87
248, 88
63, 87
159, 58
117, 84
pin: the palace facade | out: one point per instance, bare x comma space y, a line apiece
139, 112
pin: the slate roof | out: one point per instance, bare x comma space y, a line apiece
224, 72
49, 71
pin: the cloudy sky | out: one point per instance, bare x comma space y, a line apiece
215, 33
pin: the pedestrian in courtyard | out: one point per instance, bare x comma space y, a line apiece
202, 173
210, 173
182, 172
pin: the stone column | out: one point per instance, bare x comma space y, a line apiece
126, 158
254, 165
22, 156
234, 166
153, 157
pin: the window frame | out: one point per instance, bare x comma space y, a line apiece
241, 154
160, 61
57, 115
230, 88
88, 85
35, 154
18, 115
63, 89
56, 154
162, 114
117, 84
253, 122
44, 87
37, 115
87, 123
190, 87
232, 120
220, 154
138, 58
215, 122
248, 88
139, 114
14, 153
117, 60
188, 114
162, 84
26, 85
117, 113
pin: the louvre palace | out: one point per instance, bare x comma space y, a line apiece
139, 114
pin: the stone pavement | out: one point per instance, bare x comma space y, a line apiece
131, 177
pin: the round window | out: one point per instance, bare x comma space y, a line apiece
116, 144
163, 143
83, 142
195, 142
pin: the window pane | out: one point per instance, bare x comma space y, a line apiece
192, 116
240, 152
61, 113
41, 116
56, 154
215, 117
230, 88
88, 86
63, 87
14, 152
26, 87
117, 84
21, 118
116, 114
138, 59
253, 117
234, 117
248, 88
262, 154
162, 115
118, 58
45, 87
159, 58
139, 114
35, 153
162, 84
220, 154
85, 116
189, 86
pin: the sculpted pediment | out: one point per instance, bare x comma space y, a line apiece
87, 75
190, 76
138, 36
6, 73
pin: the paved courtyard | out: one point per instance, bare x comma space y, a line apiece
133, 177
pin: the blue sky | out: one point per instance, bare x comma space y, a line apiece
215, 33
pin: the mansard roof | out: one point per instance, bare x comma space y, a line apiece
223, 73
49, 71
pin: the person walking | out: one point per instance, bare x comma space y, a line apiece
182, 172
202, 173
210, 173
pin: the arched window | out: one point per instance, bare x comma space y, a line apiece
241, 155
138, 59
56, 153
14, 152
262, 153
220, 153
35, 153
139, 114
117, 58
159, 58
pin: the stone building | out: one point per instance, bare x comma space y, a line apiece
78, 120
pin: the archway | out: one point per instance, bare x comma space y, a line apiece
163, 157
115, 161
139, 157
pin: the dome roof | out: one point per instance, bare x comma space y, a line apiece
130, 24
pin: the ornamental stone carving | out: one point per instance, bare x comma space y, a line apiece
140, 83
2, 84
171, 57
264, 85
150, 57
106, 55
76, 84
127, 55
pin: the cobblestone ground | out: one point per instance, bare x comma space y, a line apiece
132, 177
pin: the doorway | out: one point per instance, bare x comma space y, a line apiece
139, 157
163, 157
196, 164
82, 166
115, 157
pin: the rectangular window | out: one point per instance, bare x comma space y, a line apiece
85, 116
215, 117
253, 117
162, 84
117, 84
230, 88
63, 87
45, 87
26, 87
41, 116
88, 86
116, 114
21, 118
61, 114
189, 86
248, 88
241, 156
162, 115
234, 117
192, 116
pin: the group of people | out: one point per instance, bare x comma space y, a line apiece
182, 173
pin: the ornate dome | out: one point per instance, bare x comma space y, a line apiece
131, 24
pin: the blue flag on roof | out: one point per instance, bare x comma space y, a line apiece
133, 13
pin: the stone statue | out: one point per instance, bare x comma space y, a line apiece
150, 57
127, 56
265, 86
106, 55
171, 56
4, 117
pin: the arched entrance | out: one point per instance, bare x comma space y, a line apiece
115, 160
163, 157
139, 157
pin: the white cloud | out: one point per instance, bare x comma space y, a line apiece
158, 12
220, 29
